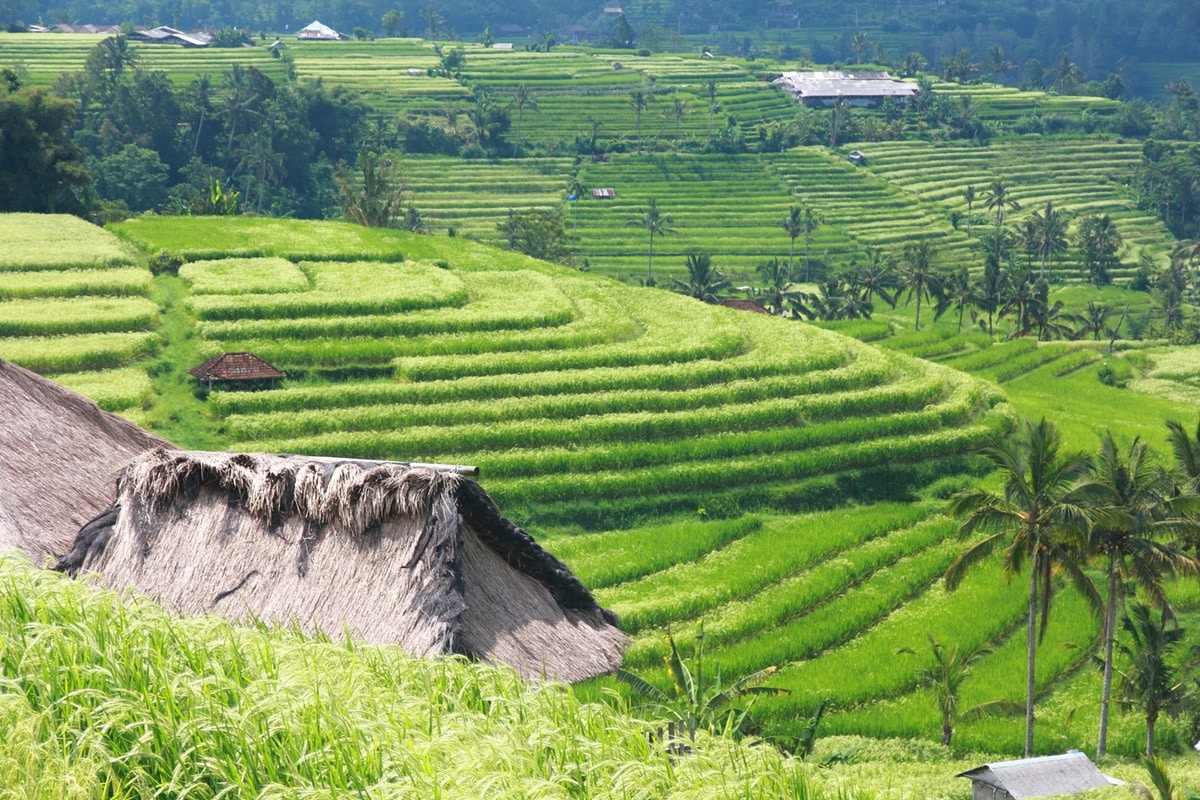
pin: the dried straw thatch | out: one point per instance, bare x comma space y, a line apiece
387, 552
61, 456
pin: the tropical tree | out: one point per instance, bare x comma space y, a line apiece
859, 44
876, 278
1099, 241
1151, 683
1134, 507
1094, 320
793, 225
679, 110
945, 677
988, 293
969, 196
374, 194
523, 98
704, 282
918, 277
1022, 299
639, 101
998, 62
710, 89
779, 293
433, 20
998, 200
1033, 521
697, 699
958, 294
258, 157
655, 223
1186, 449
1051, 225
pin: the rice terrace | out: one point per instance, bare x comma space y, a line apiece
647, 433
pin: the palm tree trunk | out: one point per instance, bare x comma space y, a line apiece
947, 731
1031, 657
650, 262
1110, 620
1151, 720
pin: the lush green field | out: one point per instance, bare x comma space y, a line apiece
595, 406
585, 402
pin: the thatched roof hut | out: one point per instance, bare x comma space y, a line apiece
388, 552
61, 457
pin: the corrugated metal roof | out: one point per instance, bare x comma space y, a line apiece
1041, 777
844, 84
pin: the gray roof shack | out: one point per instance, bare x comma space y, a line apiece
1048, 776
164, 35
856, 88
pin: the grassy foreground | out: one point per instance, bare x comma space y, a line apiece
104, 696
109, 696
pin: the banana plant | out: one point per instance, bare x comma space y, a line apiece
696, 700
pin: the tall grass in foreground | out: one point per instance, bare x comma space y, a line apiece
104, 696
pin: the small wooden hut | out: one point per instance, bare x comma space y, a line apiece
61, 458
241, 369
394, 553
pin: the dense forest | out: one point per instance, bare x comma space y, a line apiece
1101, 36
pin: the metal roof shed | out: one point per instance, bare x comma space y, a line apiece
1047, 776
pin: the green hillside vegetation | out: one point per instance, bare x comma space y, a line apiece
632, 429
775, 485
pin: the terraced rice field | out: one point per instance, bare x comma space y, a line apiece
1007, 104
869, 210
585, 402
1080, 176
629, 428
72, 296
727, 206
474, 197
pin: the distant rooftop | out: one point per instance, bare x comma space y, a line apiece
828, 86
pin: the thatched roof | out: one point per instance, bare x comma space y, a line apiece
59, 459
387, 552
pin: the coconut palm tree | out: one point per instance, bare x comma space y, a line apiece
523, 98
1151, 683
779, 293
876, 278
989, 291
1134, 507
969, 196
793, 225
998, 200
704, 282
1034, 521
917, 274
957, 293
639, 101
1094, 320
1051, 225
945, 677
655, 223
1186, 449
679, 110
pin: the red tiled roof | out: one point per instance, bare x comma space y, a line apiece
235, 367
